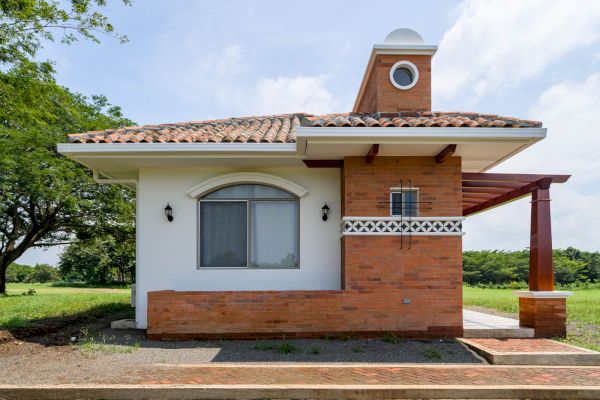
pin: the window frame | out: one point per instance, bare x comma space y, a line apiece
248, 201
402, 191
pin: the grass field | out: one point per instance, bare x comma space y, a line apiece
583, 311
20, 311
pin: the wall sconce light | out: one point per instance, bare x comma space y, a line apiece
169, 212
324, 212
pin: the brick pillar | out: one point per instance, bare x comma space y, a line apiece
541, 307
548, 316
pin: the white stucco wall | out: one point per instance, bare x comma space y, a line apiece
167, 252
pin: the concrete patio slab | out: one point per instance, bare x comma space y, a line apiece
482, 325
531, 352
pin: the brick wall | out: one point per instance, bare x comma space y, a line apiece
378, 273
380, 95
547, 316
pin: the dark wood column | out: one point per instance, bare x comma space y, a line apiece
541, 266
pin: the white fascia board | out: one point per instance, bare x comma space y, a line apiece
417, 135
415, 49
157, 148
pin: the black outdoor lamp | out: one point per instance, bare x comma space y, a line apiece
169, 212
324, 212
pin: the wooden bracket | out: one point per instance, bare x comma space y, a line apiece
448, 151
372, 153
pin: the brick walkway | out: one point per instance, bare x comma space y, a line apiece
366, 375
526, 346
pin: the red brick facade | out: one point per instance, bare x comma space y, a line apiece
380, 95
547, 316
414, 291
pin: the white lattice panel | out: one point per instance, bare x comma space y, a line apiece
418, 226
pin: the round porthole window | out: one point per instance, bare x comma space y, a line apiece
404, 75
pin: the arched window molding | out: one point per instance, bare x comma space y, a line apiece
246, 177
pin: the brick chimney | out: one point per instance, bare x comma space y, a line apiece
398, 76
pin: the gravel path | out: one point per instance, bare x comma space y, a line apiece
108, 354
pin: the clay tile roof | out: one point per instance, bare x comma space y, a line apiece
282, 128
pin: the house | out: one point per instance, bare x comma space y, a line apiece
306, 225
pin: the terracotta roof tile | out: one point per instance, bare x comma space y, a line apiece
282, 128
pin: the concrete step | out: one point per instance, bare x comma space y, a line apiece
296, 392
500, 333
483, 325
532, 352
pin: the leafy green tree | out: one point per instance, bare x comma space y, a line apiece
18, 273
25, 24
503, 267
566, 270
46, 199
43, 273
99, 261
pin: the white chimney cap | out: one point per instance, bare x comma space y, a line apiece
403, 36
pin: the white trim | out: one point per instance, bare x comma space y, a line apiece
405, 233
407, 65
405, 49
422, 133
403, 218
175, 147
246, 177
543, 294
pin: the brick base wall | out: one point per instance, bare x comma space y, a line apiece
277, 314
547, 316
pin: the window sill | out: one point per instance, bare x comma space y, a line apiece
251, 268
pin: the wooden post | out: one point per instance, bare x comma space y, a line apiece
541, 267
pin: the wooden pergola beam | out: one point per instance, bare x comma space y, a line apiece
485, 196
448, 151
485, 190
485, 184
503, 198
527, 178
373, 151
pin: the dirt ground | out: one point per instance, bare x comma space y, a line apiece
92, 352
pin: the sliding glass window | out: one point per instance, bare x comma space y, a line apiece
249, 226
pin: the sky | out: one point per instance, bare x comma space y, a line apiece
536, 59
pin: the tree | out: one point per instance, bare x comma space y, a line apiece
46, 199
99, 260
25, 24
43, 273
18, 273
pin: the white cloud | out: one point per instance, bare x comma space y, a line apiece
497, 44
570, 111
225, 64
293, 94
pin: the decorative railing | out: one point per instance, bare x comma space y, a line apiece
415, 226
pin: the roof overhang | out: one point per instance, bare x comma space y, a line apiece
480, 148
123, 160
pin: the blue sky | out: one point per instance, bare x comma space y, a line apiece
193, 60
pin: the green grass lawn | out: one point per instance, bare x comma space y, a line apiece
20, 311
583, 311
